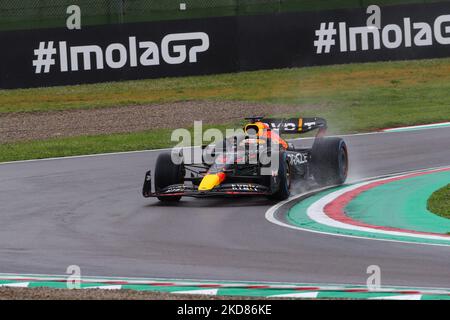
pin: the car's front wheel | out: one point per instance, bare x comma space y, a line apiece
168, 173
284, 179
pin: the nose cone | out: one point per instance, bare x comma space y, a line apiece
210, 181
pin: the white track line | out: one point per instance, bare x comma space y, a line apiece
209, 292
159, 150
310, 295
85, 156
112, 287
418, 127
400, 297
16, 285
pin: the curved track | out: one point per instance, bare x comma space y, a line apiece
88, 211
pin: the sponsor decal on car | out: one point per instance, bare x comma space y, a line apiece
175, 189
245, 187
296, 159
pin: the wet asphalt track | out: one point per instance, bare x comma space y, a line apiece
89, 212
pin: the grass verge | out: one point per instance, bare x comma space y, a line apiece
362, 90
439, 202
64, 147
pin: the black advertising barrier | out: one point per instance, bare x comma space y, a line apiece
289, 40
58, 56
217, 45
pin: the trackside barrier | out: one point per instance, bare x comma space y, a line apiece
115, 52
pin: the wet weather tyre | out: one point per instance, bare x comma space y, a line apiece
168, 173
284, 183
329, 163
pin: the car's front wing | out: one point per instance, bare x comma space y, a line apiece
227, 189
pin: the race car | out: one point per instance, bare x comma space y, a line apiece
257, 162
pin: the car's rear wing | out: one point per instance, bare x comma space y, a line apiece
297, 125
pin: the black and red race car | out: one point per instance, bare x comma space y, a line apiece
256, 162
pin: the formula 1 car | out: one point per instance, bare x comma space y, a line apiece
256, 162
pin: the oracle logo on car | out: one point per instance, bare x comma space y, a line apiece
175, 49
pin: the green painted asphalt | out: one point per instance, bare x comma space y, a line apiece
402, 204
297, 216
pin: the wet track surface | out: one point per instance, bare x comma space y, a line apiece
89, 212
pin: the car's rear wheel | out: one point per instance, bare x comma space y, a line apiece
329, 163
168, 173
284, 179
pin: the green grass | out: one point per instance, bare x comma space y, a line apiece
84, 145
63, 147
439, 202
353, 98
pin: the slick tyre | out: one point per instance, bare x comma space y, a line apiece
168, 173
329, 163
284, 179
